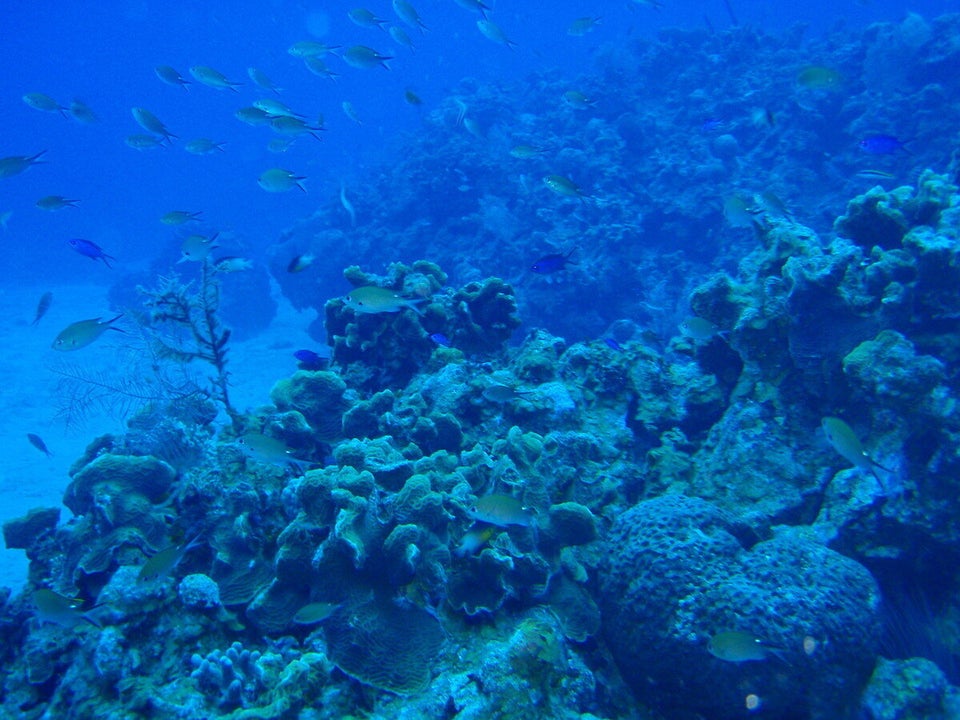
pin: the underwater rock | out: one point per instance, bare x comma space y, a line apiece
888, 370
675, 573
570, 523
912, 689
318, 396
199, 592
23, 532
875, 218
379, 457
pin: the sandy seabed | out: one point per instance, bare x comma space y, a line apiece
29, 403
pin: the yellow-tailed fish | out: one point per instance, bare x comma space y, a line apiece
196, 248
319, 68
309, 48
281, 144
491, 31
499, 393
406, 12
44, 103
55, 608
261, 80
179, 217
473, 127
16, 164
160, 565
252, 116
698, 328
46, 300
582, 25
213, 78
293, 127
738, 212
82, 113
819, 77
475, 5
373, 299
501, 510
577, 100
170, 76
365, 19
275, 108
347, 205
526, 152
151, 123
269, 451
52, 203
279, 180
350, 111
80, 334
400, 37
232, 264
474, 539
314, 613
738, 647
139, 141
564, 186
361, 56
301, 263
874, 174
845, 441
203, 146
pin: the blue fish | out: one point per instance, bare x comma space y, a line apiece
91, 250
440, 339
711, 125
554, 262
309, 360
613, 344
882, 144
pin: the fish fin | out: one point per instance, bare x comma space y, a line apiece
92, 620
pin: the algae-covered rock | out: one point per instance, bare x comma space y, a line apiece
23, 532
875, 218
889, 370
912, 689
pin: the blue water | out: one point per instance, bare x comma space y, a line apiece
105, 55
649, 227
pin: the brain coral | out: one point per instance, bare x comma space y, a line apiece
675, 574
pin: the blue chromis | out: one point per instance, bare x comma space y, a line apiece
42, 306
440, 339
91, 250
373, 299
554, 262
309, 360
80, 334
280, 180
